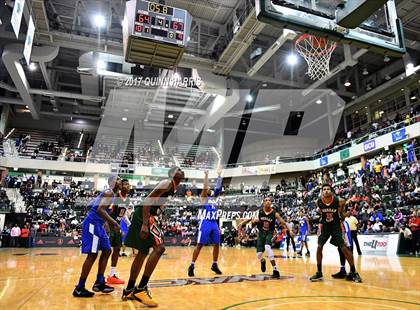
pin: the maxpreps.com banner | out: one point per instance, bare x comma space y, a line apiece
234, 213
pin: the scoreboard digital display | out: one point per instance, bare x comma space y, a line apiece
154, 34
159, 8
162, 23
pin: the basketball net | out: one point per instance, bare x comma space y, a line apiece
317, 53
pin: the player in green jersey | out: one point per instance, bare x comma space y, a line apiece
266, 222
332, 210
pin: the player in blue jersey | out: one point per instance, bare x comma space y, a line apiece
349, 243
208, 231
95, 238
304, 229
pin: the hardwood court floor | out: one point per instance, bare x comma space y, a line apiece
29, 279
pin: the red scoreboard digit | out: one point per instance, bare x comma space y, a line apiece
138, 28
177, 26
142, 18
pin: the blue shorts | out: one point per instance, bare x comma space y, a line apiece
94, 238
208, 233
304, 236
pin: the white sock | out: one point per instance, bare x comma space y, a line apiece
192, 263
112, 271
215, 263
274, 267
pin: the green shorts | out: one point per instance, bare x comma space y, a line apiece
153, 238
336, 232
264, 237
115, 238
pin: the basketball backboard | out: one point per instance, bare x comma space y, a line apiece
382, 32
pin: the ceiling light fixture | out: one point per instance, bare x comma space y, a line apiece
99, 20
292, 59
32, 66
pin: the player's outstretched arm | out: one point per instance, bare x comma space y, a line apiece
205, 190
281, 221
253, 221
218, 187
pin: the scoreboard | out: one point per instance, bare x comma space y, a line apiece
154, 22
161, 22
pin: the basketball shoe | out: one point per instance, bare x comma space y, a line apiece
317, 277
339, 275
82, 292
114, 280
216, 269
102, 287
143, 295
191, 271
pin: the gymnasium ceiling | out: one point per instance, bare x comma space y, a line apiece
68, 25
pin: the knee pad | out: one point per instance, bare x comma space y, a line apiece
259, 255
269, 251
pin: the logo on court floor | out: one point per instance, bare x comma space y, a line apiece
216, 280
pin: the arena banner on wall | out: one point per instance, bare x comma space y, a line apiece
370, 244
249, 171
399, 135
369, 145
384, 244
56, 242
2, 220
27, 50
265, 170
17, 16
323, 161
344, 154
235, 212
160, 172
